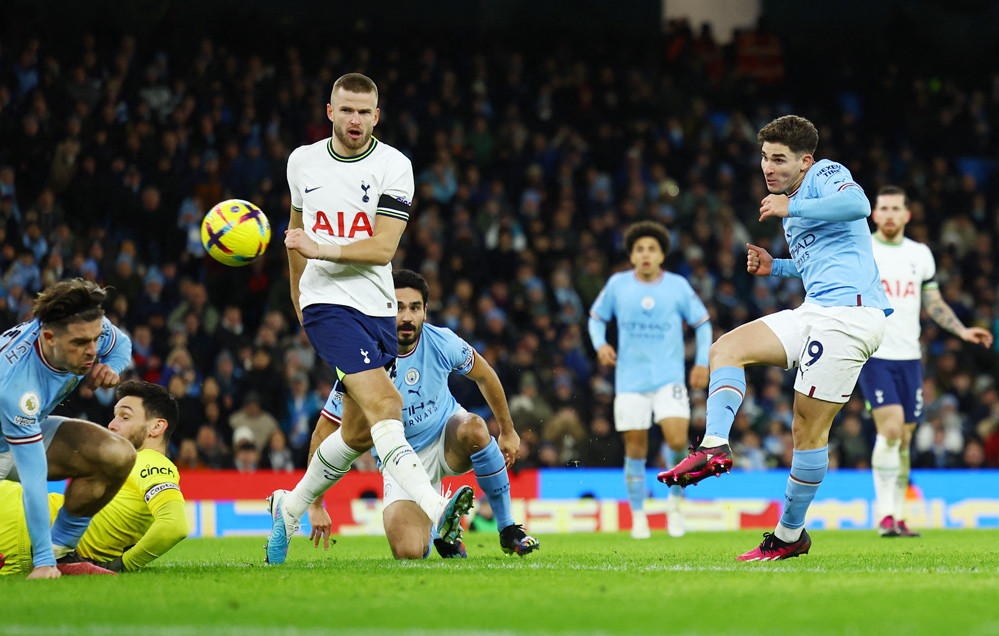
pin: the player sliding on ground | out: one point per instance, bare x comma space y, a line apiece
350, 200
828, 338
448, 440
145, 519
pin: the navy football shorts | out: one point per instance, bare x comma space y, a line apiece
886, 382
350, 341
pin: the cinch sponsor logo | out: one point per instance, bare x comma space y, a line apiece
155, 470
360, 224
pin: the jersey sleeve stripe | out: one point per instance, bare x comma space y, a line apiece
848, 185
296, 208
17, 441
700, 322
392, 214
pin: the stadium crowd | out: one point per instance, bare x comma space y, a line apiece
530, 163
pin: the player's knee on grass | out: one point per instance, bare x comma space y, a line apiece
410, 545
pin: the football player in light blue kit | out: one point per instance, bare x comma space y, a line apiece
828, 338
41, 361
650, 306
448, 440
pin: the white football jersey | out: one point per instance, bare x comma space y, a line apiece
906, 270
339, 198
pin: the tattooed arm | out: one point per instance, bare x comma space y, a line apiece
944, 316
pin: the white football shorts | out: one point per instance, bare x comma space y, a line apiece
828, 345
637, 411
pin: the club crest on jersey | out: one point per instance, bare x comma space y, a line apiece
648, 303
366, 358
412, 377
30, 404
364, 189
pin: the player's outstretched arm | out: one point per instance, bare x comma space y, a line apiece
169, 528
32, 466
492, 389
943, 315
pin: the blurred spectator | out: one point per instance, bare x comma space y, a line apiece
252, 423
277, 456
853, 449
247, 457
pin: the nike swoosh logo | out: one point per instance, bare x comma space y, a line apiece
731, 409
307, 190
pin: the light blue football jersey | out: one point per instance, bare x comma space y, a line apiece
833, 258
650, 317
30, 388
421, 376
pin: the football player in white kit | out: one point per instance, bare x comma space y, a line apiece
892, 379
350, 201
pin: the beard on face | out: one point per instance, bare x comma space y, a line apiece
410, 337
136, 438
347, 140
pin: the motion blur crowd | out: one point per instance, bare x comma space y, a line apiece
530, 163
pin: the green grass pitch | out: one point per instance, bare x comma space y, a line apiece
853, 582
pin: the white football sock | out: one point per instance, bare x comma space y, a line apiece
885, 464
788, 535
710, 441
401, 461
902, 486
331, 461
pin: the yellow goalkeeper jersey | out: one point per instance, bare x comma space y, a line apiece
153, 482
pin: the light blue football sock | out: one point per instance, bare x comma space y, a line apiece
726, 389
808, 468
634, 479
67, 529
490, 472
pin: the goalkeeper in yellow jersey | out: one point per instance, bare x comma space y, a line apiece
145, 519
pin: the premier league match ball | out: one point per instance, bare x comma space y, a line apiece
235, 232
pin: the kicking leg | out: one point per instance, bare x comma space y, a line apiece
752, 343
381, 405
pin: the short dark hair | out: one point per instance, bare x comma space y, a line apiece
894, 189
69, 301
156, 401
797, 133
355, 83
408, 279
642, 229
